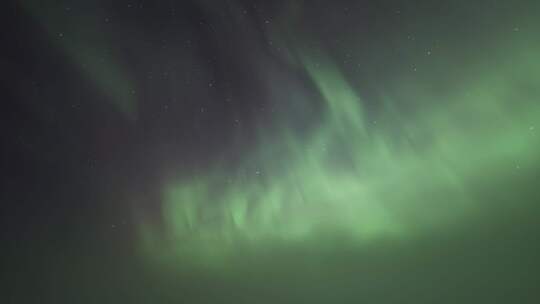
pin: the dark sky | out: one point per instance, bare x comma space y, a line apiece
269, 151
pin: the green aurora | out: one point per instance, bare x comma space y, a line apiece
403, 175
398, 163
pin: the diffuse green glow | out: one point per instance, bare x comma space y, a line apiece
403, 176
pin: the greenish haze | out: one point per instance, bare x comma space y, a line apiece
401, 176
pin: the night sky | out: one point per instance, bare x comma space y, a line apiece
235, 151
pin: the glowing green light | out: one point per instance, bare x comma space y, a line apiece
404, 176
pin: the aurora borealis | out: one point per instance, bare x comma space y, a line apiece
272, 152
339, 175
